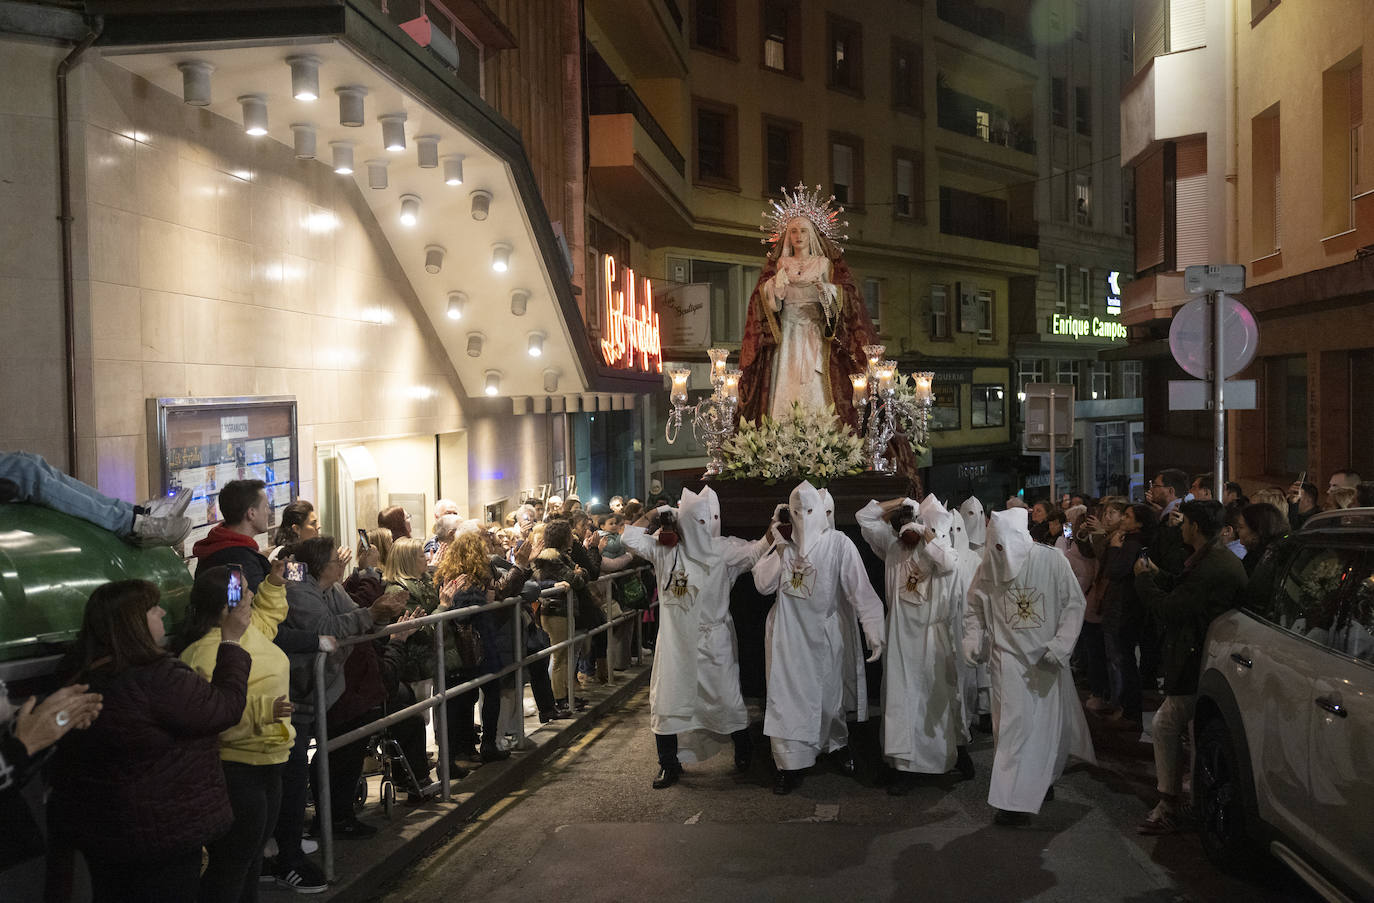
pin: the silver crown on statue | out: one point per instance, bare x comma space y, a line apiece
811, 204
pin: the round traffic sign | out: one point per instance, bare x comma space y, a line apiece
1190, 337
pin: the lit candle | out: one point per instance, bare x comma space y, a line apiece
680, 376
860, 381
730, 389
884, 379
923, 386
718, 357
875, 357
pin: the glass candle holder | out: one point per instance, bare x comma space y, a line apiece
874, 353
860, 381
730, 386
679, 375
924, 386
718, 358
885, 375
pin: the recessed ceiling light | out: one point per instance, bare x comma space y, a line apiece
305, 77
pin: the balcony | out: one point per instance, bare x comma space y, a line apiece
631, 156
983, 120
1172, 96
648, 35
969, 215
1003, 27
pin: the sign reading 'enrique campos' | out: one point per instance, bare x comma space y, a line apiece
1087, 327
629, 329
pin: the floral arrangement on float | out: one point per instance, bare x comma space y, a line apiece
807, 444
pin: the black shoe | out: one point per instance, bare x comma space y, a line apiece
786, 782
353, 829
579, 703
494, 754
843, 760
667, 777
554, 714
1010, 819
744, 755
985, 723
302, 877
904, 783
964, 764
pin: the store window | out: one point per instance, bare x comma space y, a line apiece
944, 413
939, 312
730, 287
1030, 370
989, 406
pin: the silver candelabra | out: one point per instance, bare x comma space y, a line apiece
885, 412
713, 418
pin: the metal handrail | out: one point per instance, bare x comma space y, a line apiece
324, 744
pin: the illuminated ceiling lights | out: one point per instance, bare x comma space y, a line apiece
305, 77
493, 386
427, 150
393, 131
453, 169
351, 105
500, 256
481, 204
305, 140
535, 345
434, 259
343, 157
456, 302
195, 82
410, 210
254, 114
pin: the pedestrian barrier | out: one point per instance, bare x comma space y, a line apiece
324, 744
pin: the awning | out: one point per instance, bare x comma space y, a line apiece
357, 45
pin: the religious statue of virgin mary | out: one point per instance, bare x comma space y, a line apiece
806, 325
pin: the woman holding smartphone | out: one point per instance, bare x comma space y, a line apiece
141, 790
253, 752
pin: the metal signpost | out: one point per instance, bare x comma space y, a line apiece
1046, 426
1213, 338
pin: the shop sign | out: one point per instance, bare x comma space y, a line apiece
1114, 293
630, 334
686, 313
1086, 327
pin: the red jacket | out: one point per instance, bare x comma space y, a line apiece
145, 780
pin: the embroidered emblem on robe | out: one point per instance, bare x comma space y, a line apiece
1025, 607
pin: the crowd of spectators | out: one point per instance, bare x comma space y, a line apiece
194, 749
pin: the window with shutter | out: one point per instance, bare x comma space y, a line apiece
1187, 24
939, 312
1149, 212
1266, 212
1190, 203
1151, 31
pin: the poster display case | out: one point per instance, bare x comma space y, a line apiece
203, 443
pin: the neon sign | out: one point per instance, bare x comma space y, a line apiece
630, 329
1114, 292
1081, 327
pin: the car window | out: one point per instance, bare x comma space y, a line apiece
1307, 595
1354, 631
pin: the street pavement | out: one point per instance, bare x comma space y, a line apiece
590, 828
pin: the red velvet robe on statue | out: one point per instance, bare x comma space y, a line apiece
853, 330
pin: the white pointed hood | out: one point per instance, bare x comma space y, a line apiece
808, 517
958, 533
698, 523
829, 504
975, 521
934, 516
1009, 545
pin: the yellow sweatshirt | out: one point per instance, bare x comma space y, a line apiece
258, 739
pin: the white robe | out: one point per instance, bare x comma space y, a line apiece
805, 647
1036, 717
694, 690
973, 678
923, 714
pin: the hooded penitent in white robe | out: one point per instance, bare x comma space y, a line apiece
818, 578
855, 676
973, 679
1026, 606
694, 691
923, 718
975, 522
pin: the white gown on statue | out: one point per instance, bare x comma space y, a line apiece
799, 366
1026, 606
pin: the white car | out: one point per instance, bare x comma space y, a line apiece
1284, 729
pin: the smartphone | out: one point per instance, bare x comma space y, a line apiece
1068, 531
1144, 554
1302, 478
295, 571
362, 539
235, 591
